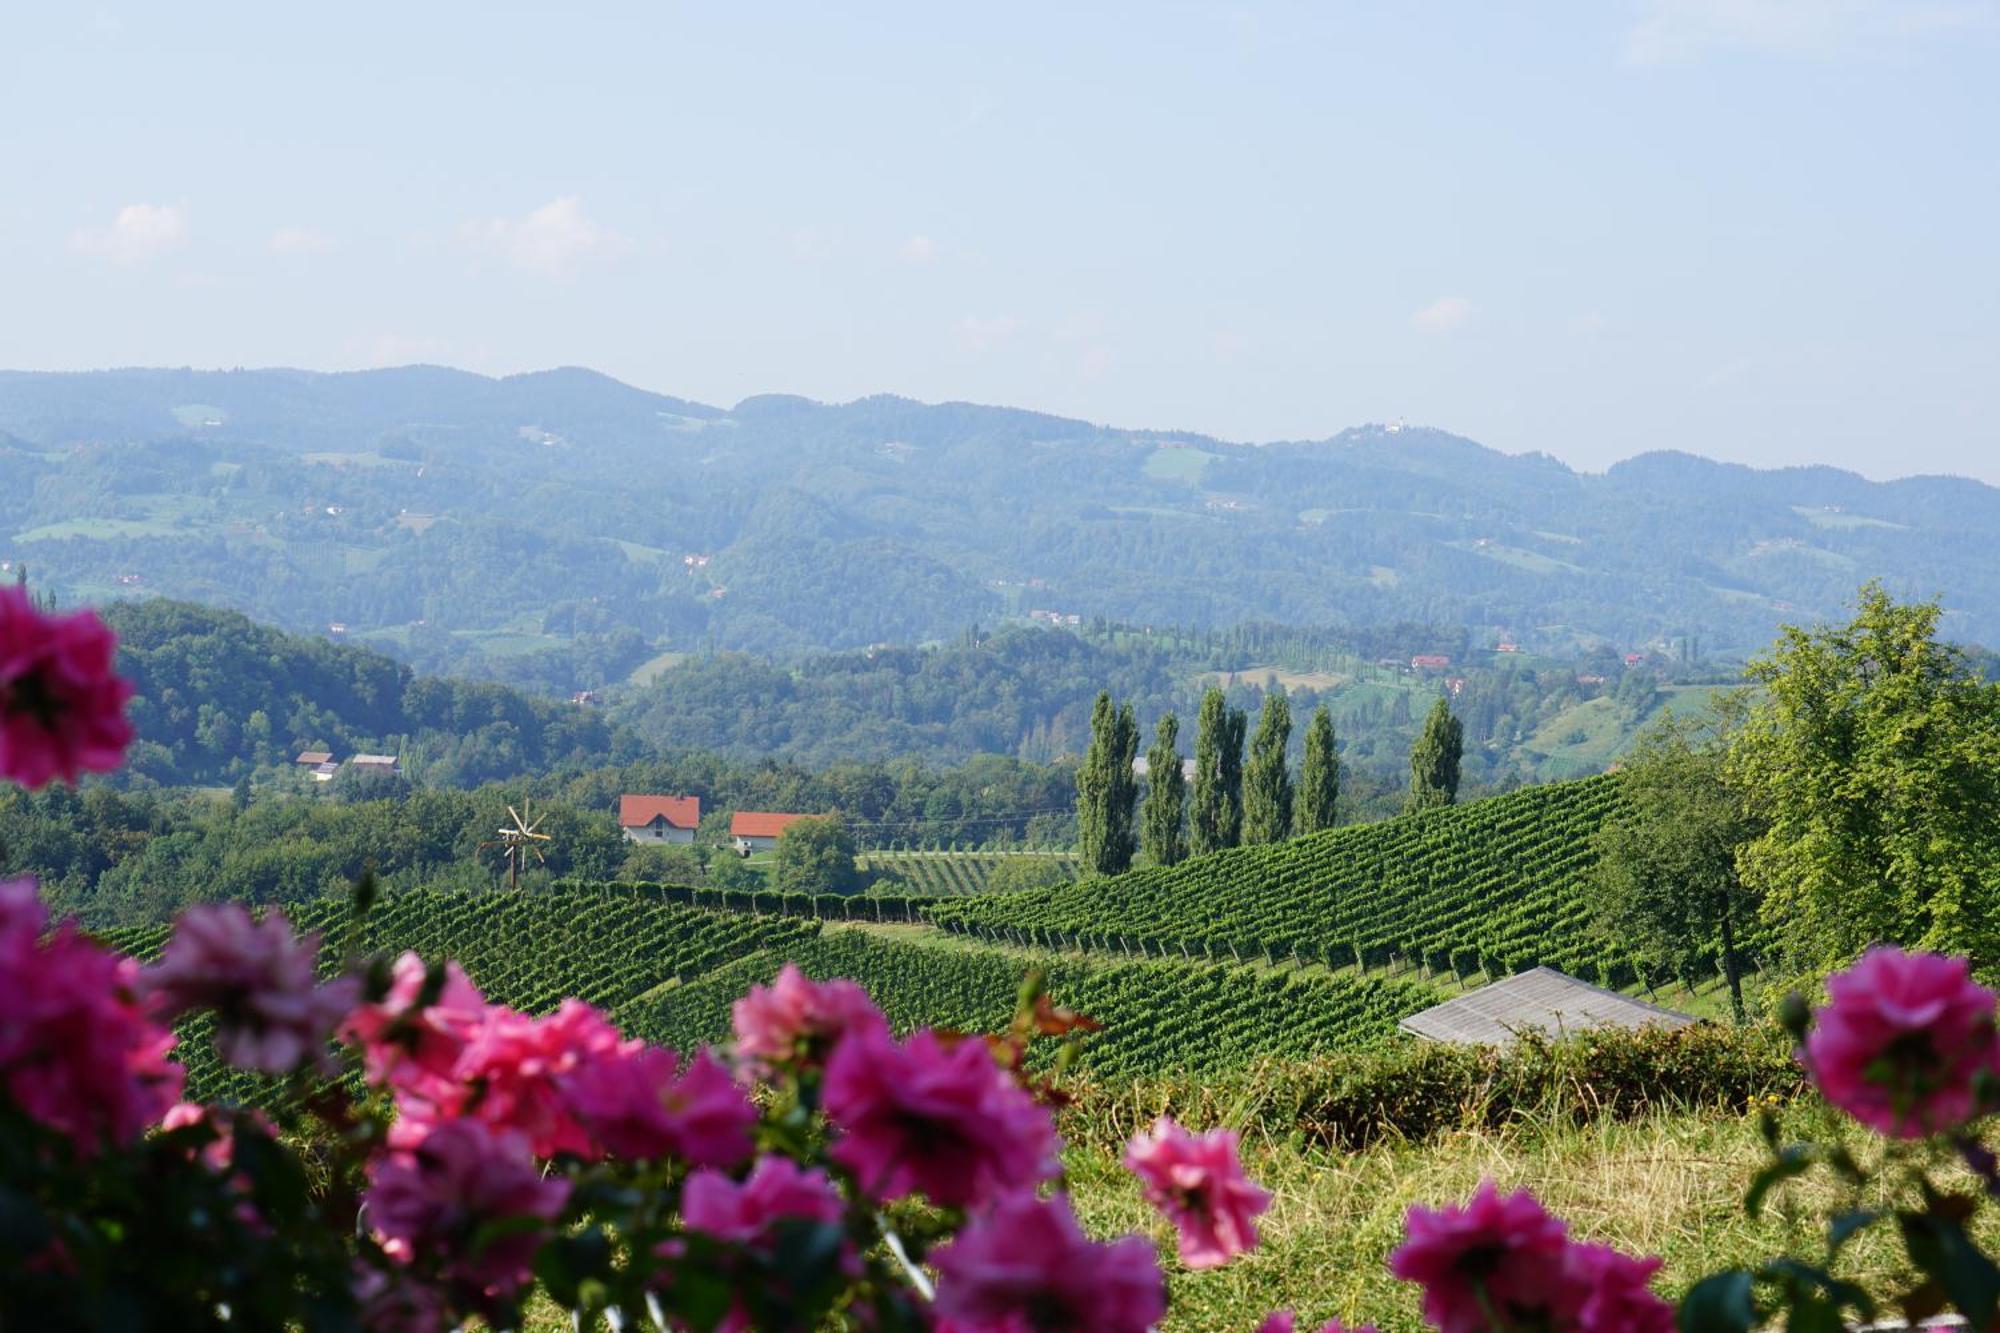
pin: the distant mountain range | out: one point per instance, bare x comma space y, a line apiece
439, 511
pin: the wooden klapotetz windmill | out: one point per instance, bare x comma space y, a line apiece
518, 842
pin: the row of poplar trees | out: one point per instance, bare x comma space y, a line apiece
1235, 802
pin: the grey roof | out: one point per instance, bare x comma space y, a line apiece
1540, 999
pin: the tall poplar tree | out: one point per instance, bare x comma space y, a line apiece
1434, 760
1106, 788
1267, 783
1216, 819
1319, 775
1166, 795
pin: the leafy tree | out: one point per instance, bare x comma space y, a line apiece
1319, 775
1873, 758
1434, 760
1028, 871
727, 870
1106, 788
815, 855
1666, 877
1217, 819
1166, 795
1267, 782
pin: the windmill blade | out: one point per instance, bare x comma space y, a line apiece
541, 837
516, 815
538, 854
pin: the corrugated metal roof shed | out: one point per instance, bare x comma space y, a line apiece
1540, 999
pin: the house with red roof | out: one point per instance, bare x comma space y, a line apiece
659, 819
759, 830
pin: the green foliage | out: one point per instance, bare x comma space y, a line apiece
1666, 875
1318, 803
1413, 1091
1435, 758
1157, 1015
1216, 821
1489, 886
1267, 781
1873, 760
948, 874
815, 856
1163, 838
1106, 788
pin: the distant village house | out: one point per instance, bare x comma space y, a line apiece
759, 830
319, 762
659, 819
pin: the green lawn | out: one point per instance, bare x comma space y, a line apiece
1186, 465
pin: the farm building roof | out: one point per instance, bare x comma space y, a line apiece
760, 823
678, 811
374, 761
313, 757
1541, 999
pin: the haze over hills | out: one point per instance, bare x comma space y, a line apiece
431, 506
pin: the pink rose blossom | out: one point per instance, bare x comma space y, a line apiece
1901, 1040
776, 1188
1198, 1183
1506, 1254
416, 1052
795, 1019
1025, 1266
1283, 1321
78, 1051
1620, 1297
512, 1073
62, 706
270, 1013
429, 1204
632, 1106
943, 1121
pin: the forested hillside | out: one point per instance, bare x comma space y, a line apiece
560, 529
217, 695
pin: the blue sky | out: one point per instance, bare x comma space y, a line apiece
1763, 230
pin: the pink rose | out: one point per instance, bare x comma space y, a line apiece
431, 1203
1619, 1298
416, 1051
1500, 1253
743, 1213
513, 1071
1025, 1266
78, 1051
62, 706
1198, 1183
270, 1012
796, 1020
1901, 1041
943, 1121
633, 1106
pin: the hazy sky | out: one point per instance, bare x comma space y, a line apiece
1765, 230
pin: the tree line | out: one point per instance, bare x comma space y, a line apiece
1238, 798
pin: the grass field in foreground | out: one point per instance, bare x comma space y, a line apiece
1671, 1186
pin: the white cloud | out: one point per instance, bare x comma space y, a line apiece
1442, 315
920, 250
299, 241
1676, 30
979, 333
137, 234
554, 240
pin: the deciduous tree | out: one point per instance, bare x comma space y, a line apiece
1434, 760
1166, 795
1267, 782
1319, 775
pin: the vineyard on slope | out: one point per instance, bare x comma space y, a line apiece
1158, 1016
1490, 887
948, 874
602, 944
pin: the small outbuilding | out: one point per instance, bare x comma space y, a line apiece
759, 830
1538, 1000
